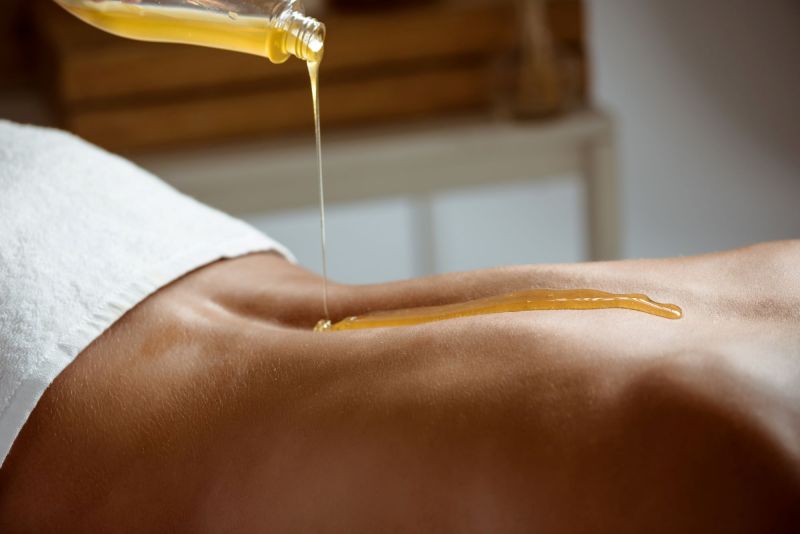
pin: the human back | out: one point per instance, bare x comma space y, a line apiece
556, 420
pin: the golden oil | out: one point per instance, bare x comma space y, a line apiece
313, 74
531, 300
279, 31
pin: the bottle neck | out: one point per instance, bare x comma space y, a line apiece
304, 36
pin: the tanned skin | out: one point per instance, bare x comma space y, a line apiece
212, 407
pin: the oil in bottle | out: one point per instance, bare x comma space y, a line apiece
277, 29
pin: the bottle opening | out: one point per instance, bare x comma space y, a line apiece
305, 37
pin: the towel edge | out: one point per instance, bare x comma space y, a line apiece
29, 391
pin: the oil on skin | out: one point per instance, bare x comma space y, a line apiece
531, 300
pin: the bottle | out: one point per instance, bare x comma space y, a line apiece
275, 29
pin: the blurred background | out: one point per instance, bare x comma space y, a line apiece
456, 134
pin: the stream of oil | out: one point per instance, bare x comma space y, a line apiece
313, 73
531, 300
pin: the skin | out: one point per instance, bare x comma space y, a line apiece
211, 407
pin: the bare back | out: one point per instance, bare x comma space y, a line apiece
213, 407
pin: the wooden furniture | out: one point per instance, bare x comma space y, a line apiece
15, 48
381, 66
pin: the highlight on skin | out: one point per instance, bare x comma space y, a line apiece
530, 300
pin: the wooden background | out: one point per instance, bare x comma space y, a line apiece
520, 58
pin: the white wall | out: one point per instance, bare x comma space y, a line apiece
707, 94
474, 228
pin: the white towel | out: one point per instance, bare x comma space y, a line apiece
84, 237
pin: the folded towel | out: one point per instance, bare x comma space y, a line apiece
84, 237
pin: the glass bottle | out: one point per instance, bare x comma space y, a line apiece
275, 29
